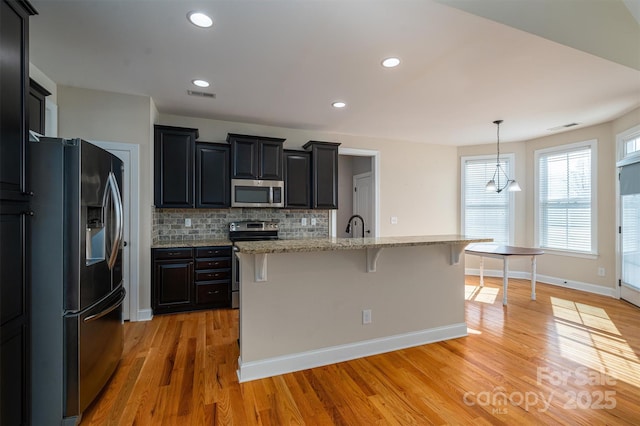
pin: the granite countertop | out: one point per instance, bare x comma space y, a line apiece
191, 243
329, 244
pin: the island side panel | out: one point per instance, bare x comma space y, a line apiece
314, 300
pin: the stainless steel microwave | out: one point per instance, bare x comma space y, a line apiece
257, 193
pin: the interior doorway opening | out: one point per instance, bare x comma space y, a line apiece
358, 194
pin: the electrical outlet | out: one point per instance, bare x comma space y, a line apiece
601, 271
187, 223
394, 220
303, 221
366, 316
313, 221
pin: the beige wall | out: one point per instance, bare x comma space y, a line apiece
313, 301
416, 180
573, 269
114, 117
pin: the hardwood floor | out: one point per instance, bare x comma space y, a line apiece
567, 358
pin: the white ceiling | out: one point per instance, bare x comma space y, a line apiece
283, 62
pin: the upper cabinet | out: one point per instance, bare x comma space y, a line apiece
14, 69
256, 157
297, 179
212, 175
37, 96
174, 149
324, 174
188, 173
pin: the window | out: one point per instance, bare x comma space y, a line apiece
632, 145
565, 195
486, 214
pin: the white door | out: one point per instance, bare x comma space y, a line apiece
363, 204
125, 152
630, 232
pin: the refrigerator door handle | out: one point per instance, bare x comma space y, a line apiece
113, 191
108, 310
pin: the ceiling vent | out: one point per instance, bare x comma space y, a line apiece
201, 94
564, 126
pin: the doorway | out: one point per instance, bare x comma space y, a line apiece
629, 215
128, 153
363, 194
358, 193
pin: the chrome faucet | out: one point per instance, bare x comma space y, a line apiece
355, 216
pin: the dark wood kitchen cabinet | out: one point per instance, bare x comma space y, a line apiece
172, 280
37, 103
213, 277
324, 174
297, 179
186, 279
256, 157
15, 323
212, 176
174, 149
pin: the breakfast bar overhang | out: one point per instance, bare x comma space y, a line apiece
303, 303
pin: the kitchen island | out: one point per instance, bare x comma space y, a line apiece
312, 302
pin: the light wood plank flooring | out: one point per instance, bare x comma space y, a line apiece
567, 358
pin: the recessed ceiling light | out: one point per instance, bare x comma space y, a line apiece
200, 83
338, 104
391, 62
200, 19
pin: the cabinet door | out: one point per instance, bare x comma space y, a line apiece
297, 177
37, 96
173, 166
212, 176
14, 318
14, 34
270, 157
244, 158
324, 174
173, 283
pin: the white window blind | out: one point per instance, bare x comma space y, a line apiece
566, 198
485, 214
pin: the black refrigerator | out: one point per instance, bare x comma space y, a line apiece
76, 272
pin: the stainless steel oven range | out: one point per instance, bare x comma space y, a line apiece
250, 230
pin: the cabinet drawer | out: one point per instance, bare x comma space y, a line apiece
213, 263
213, 275
211, 293
213, 251
173, 253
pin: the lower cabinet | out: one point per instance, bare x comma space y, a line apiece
186, 279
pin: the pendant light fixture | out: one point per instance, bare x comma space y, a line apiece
500, 181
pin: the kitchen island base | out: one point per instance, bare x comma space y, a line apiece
309, 312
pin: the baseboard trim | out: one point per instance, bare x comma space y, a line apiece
145, 315
316, 358
546, 279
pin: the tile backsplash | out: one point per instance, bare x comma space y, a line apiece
169, 224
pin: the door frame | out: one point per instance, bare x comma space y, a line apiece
375, 171
134, 221
620, 137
